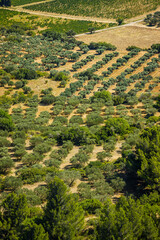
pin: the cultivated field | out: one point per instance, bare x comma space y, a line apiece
40, 23
79, 120
105, 9
59, 114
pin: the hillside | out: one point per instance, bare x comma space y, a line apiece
106, 9
79, 128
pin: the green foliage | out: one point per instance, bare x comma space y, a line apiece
24, 73
98, 8
30, 159
34, 231
6, 163
14, 213
76, 119
158, 102
131, 48
128, 219
94, 118
63, 217
91, 205
102, 45
148, 150
69, 176
32, 175
11, 183
105, 95
5, 3
78, 136
120, 21
114, 126
6, 122
22, 2
153, 20
48, 99
156, 47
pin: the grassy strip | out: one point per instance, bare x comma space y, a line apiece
98, 8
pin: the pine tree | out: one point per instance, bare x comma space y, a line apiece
15, 211
6, 3
63, 217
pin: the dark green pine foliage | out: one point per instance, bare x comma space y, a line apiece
148, 156
6, 3
33, 231
14, 211
63, 217
130, 220
6, 122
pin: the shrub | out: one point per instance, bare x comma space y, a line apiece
76, 119
114, 126
91, 205
6, 122
48, 99
6, 163
25, 73
94, 119
11, 183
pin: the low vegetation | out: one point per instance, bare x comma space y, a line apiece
153, 19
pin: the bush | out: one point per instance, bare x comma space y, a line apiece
48, 99
131, 48
11, 183
156, 47
42, 148
94, 119
6, 163
91, 205
76, 119
31, 175
114, 126
6, 122
25, 73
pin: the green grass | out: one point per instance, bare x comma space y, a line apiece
98, 8
22, 2
8, 18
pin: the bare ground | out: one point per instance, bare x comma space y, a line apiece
66, 161
126, 36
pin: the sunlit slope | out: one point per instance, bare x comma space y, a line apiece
98, 8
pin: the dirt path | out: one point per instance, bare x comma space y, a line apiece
66, 161
33, 186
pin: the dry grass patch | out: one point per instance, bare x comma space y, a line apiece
125, 36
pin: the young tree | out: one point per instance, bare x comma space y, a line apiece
120, 21
91, 30
63, 217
